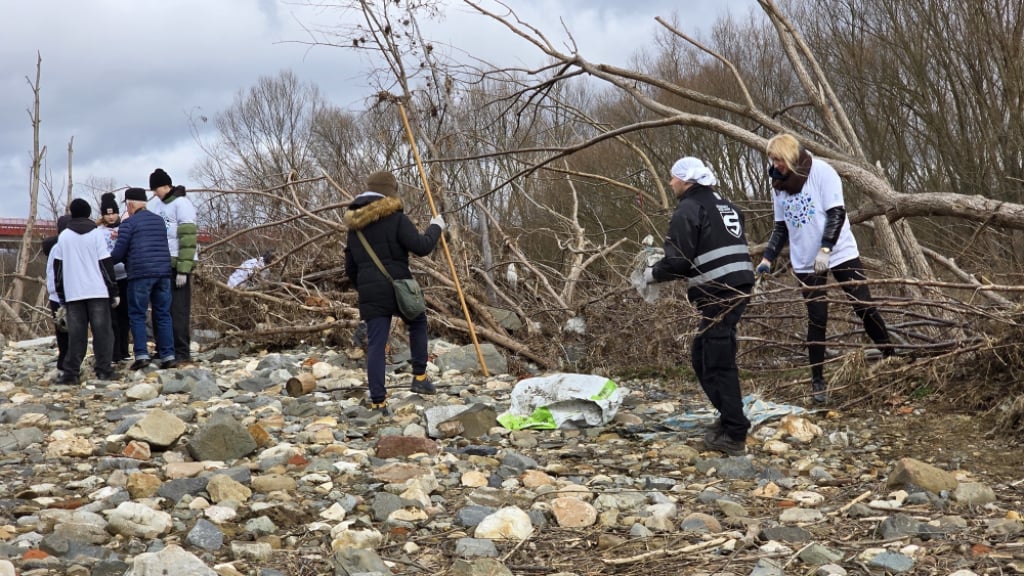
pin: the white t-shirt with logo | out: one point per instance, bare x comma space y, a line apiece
80, 255
804, 215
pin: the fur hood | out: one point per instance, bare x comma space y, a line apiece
369, 208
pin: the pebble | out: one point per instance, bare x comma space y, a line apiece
214, 469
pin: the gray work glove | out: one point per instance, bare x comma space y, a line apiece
115, 301
60, 319
180, 280
438, 220
821, 262
764, 268
649, 275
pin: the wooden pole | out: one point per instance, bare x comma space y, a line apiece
444, 243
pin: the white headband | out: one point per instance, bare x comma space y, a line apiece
691, 169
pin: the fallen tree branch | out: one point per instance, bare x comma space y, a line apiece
662, 553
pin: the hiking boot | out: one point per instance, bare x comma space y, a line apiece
819, 390
168, 364
424, 386
139, 364
714, 430
106, 375
381, 407
66, 379
726, 445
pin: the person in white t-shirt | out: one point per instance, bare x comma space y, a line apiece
84, 279
811, 216
253, 269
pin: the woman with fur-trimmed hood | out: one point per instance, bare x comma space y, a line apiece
378, 214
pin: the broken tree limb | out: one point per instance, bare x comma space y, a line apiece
662, 553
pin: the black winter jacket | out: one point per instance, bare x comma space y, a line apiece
707, 245
392, 236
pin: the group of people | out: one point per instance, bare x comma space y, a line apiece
105, 276
145, 262
706, 245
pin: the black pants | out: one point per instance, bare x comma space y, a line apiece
714, 358
120, 323
817, 311
62, 339
93, 313
378, 330
181, 318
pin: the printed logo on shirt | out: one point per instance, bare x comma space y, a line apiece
731, 219
798, 209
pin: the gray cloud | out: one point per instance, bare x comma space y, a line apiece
124, 78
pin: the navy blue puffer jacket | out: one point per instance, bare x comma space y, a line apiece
142, 246
392, 236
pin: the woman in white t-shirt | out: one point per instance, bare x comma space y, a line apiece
810, 215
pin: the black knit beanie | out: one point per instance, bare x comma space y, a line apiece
80, 208
108, 204
159, 178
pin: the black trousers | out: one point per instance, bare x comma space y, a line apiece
181, 318
120, 323
84, 315
817, 311
713, 357
62, 339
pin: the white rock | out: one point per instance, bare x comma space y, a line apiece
171, 560
509, 523
134, 519
334, 512
143, 391
343, 536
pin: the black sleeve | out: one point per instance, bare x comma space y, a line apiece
834, 220
58, 278
777, 241
107, 269
680, 244
411, 239
351, 270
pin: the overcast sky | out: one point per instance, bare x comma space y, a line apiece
124, 77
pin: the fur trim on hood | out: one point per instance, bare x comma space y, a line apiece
366, 210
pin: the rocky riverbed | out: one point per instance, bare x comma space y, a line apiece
215, 469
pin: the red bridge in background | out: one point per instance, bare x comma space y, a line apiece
12, 230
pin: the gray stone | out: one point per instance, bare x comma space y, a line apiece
474, 422
909, 471
221, 438
734, 468
465, 360
225, 353
792, 534
470, 516
479, 567
898, 526
110, 568
892, 562
205, 535
353, 561
518, 462
384, 503
973, 494
475, 548
817, 555
175, 490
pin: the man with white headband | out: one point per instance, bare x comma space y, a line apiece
706, 246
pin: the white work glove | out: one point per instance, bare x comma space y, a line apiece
649, 275
821, 262
115, 301
439, 221
180, 280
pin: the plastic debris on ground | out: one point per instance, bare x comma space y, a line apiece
562, 401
